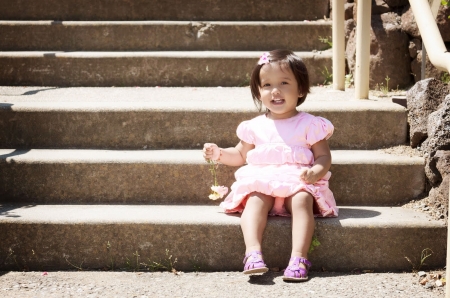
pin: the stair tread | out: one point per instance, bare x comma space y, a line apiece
173, 156
159, 22
156, 54
201, 98
351, 217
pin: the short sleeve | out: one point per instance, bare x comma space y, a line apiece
319, 129
245, 133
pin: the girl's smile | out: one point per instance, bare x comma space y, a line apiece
279, 91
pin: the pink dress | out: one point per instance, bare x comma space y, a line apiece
282, 149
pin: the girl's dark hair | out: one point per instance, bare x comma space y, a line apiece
284, 58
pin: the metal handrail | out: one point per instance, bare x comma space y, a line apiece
431, 37
426, 22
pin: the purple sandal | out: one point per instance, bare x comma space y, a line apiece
254, 263
296, 273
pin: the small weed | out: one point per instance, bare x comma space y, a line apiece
445, 78
134, 267
326, 40
423, 256
80, 267
328, 76
314, 243
246, 81
348, 80
111, 260
196, 265
167, 265
13, 257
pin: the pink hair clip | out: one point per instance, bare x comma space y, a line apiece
264, 58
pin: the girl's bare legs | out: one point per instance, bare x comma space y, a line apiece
254, 220
300, 206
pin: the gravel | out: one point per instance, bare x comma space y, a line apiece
215, 284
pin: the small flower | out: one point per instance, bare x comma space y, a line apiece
219, 190
214, 196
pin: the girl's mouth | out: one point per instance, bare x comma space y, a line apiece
277, 101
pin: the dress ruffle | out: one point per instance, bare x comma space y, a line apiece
287, 184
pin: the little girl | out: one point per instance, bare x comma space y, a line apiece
288, 159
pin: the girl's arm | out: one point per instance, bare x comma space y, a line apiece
229, 156
322, 163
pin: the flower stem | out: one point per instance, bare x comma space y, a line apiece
213, 171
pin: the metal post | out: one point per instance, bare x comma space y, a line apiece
338, 15
364, 14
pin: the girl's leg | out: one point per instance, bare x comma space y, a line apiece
300, 206
254, 219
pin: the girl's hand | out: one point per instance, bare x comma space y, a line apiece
308, 176
211, 151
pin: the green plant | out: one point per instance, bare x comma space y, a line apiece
445, 78
348, 80
134, 267
328, 76
314, 243
167, 265
108, 248
427, 252
74, 266
326, 40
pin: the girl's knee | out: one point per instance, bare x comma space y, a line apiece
302, 200
260, 199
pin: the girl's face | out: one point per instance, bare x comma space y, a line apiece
279, 90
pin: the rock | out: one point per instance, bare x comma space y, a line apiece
423, 99
412, 49
429, 285
409, 24
432, 173
443, 22
438, 129
439, 283
443, 162
349, 11
350, 25
389, 54
430, 70
396, 3
421, 273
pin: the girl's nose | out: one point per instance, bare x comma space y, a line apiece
275, 90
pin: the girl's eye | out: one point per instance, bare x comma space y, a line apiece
284, 83
266, 85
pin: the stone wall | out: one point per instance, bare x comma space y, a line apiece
396, 45
429, 119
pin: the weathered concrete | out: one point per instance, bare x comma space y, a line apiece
47, 237
96, 69
198, 10
182, 177
162, 36
142, 118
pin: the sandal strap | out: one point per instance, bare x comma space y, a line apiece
297, 260
252, 254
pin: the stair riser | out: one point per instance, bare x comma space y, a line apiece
161, 36
51, 69
148, 129
165, 183
212, 247
200, 10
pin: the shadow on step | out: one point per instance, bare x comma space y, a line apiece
7, 210
345, 213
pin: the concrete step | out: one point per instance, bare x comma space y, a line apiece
143, 118
121, 69
162, 36
370, 178
48, 237
189, 10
